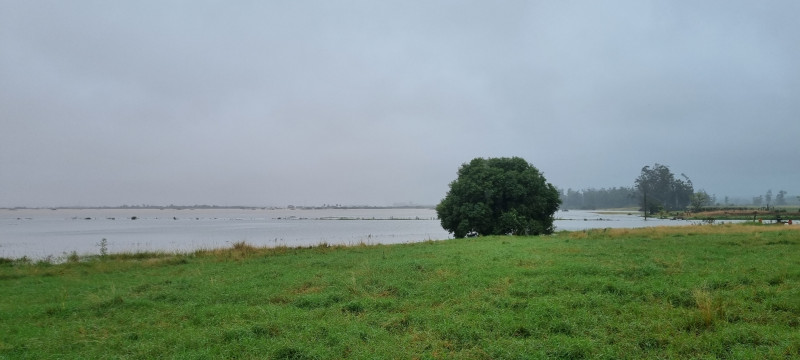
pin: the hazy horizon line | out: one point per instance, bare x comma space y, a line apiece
213, 206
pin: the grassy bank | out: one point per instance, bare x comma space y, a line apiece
675, 292
745, 214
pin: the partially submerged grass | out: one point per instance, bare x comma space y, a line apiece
745, 214
729, 291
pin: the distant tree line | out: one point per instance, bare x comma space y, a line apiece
657, 190
592, 199
779, 200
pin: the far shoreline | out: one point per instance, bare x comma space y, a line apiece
218, 207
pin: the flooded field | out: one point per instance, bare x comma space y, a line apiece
42, 233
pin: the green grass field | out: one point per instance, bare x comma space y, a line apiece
722, 291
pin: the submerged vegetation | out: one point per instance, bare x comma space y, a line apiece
721, 291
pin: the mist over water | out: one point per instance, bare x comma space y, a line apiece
43, 233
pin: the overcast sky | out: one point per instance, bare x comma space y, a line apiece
380, 102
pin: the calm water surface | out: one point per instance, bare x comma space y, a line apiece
41, 233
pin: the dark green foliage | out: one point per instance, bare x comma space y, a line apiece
498, 196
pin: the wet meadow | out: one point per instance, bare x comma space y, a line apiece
699, 291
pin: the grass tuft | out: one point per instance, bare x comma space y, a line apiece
290, 353
244, 248
705, 306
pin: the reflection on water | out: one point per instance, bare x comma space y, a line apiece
38, 233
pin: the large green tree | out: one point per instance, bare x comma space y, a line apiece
497, 196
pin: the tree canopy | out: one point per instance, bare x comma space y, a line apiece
497, 196
658, 189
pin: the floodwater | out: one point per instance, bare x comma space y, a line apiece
43, 233
582, 220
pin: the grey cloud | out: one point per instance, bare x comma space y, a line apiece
379, 102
